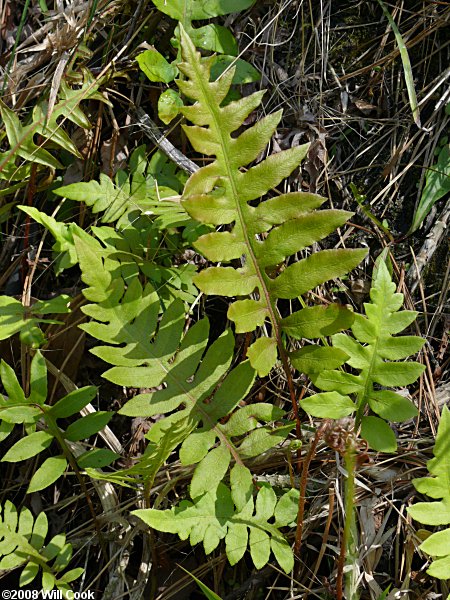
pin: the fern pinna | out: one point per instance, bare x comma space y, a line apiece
261, 236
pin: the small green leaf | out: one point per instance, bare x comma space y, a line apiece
50, 470
392, 406
29, 574
311, 359
210, 471
71, 575
97, 458
28, 446
73, 402
86, 426
438, 544
247, 315
328, 405
287, 508
378, 434
440, 568
215, 38
318, 321
244, 72
156, 67
263, 355
169, 105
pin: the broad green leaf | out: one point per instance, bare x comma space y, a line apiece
86, 426
310, 272
215, 38
392, 406
191, 10
438, 544
210, 471
247, 315
28, 446
378, 434
328, 405
440, 568
260, 440
156, 67
50, 470
244, 72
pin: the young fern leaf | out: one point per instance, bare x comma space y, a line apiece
22, 543
234, 515
262, 237
139, 190
197, 380
437, 513
371, 353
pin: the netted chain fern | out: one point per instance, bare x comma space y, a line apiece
262, 237
23, 543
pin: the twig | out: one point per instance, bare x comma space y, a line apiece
429, 247
158, 138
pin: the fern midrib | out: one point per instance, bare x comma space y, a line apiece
362, 396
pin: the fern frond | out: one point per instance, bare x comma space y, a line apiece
234, 515
198, 387
262, 236
437, 544
371, 354
22, 543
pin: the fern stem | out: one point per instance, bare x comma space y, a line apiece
303, 481
348, 536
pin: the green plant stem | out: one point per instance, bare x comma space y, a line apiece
348, 542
